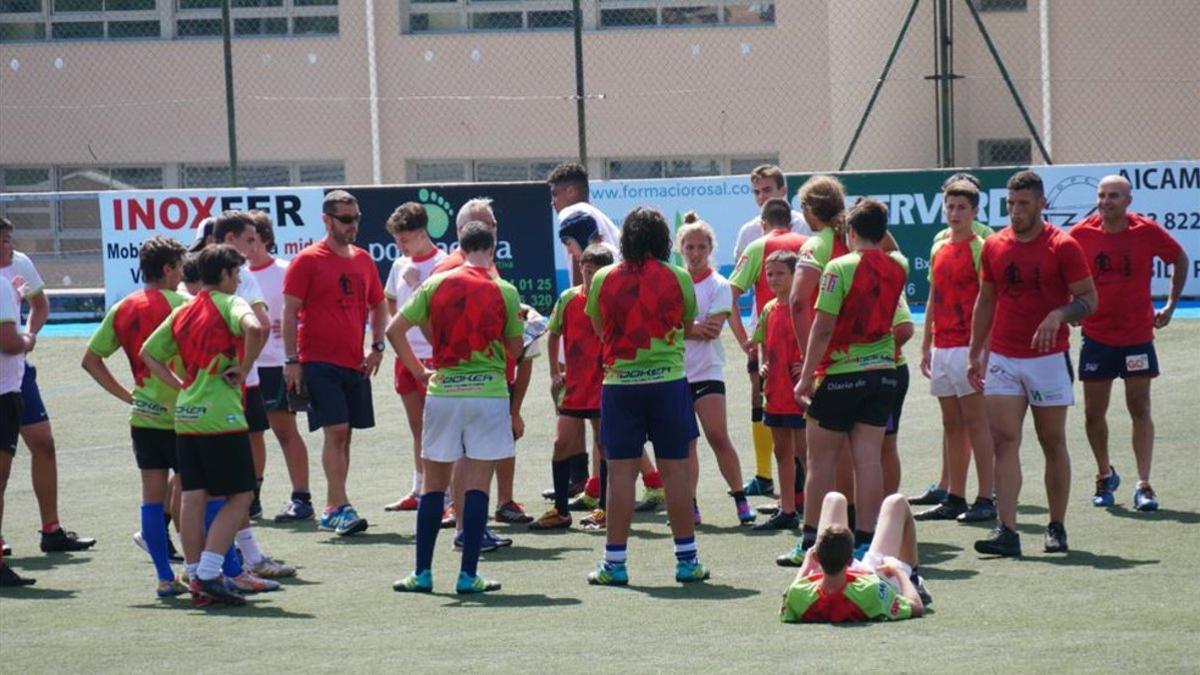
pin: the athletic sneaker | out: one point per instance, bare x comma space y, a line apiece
922, 592
468, 584
172, 554
982, 510
9, 578
295, 511
407, 503
349, 522
329, 520
552, 520
779, 521
485, 546
5, 548
247, 582
255, 509
271, 569
60, 541
1105, 487
448, 517
205, 593
932, 495
653, 499
689, 571
793, 558
583, 502
415, 582
596, 520
512, 512
947, 510
609, 574
489, 535
1144, 499
1056, 538
768, 509
1000, 541
170, 589
744, 514
759, 487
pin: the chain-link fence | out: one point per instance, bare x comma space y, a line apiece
101, 94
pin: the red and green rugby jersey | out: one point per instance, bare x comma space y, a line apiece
777, 334
862, 289
641, 309
206, 335
582, 351
126, 327
954, 276
469, 314
903, 315
865, 597
751, 266
818, 250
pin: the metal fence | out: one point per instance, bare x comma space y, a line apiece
100, 94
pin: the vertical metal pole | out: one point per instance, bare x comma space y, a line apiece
945, 82
580, 104
230, 117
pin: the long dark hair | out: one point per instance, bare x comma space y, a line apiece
645, 235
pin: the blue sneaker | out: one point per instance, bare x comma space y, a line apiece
487, 546
759, 487
294, 511
1105, 487
1144, 499
793, 558
468, 584
607, 574
329, 520
350, 522
860, 551
690, 571
416, 582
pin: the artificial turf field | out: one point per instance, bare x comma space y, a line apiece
1124, 598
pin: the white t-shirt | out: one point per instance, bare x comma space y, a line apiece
609, 233
753, 230
12, 366
414, 271
249, 290
31, 282
704, 360
270, 281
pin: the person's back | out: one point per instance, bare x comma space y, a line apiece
871, 283
207, 347
642, 310
864, 597
126, 327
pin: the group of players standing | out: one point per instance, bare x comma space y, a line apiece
635, 350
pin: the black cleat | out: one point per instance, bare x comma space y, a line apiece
932, 495
218, 592
983, 510
1000, 541
60, 541
255, 509
1056, 538
10, 579
779, 521
947, 510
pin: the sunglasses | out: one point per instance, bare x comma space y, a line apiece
347, 220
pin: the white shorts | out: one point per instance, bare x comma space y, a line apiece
874, 559
479, 428
949, 376
1042, 380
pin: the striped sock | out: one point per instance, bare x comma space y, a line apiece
685, 550
614, 554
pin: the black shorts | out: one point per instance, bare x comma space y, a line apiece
219, 464
337, 395
784, 421
706, 387
589, 414
34, 410
1098, 361
273, 389
10, 420
154, 448
854, 398
256, 412
893, 423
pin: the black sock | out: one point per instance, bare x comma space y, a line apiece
852, 521
798, 486
861, 538
560, 471
302, 495
955, 500
739, 497
579, 468
808, 536
257, 488
603, 484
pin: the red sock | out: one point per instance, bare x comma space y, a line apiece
652, 480
51, 528
592, 487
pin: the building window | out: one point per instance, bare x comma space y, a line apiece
432, 16
256, 18
1005, 151
1001, 5
684, 167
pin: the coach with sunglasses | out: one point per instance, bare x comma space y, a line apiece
329, 290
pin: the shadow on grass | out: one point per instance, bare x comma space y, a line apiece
1031, 509
394, 538
36, 593
503, 600
297, 581
932, 553
937, 574
251, 610
648, 534
696, 591
1169, 515
48, 562
532, 553
1077, 558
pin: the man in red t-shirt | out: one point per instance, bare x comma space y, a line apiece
1034, 280
330, 290
1118, 340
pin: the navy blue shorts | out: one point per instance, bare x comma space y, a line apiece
34, 411
1098, 361
10, 416
631, 414
784, 421
337, 395
893, 422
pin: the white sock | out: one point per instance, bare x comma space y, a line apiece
248, 545
191, 569
418, 480
210, 566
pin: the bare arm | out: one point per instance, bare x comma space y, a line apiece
927, 337
1083, 302
254, 336
735, 321
803, 285
13, 341
379, 325
981, 332
291, 324
95, 366
1178, 279
161, 371
818, 343
39, 311
397, 335
392, 306
907, 589
517, 399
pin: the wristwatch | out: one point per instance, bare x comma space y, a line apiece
378, 346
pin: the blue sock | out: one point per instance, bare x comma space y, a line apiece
474, 515
154, 533
614, 554
429, 522
232, 565
685, 550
